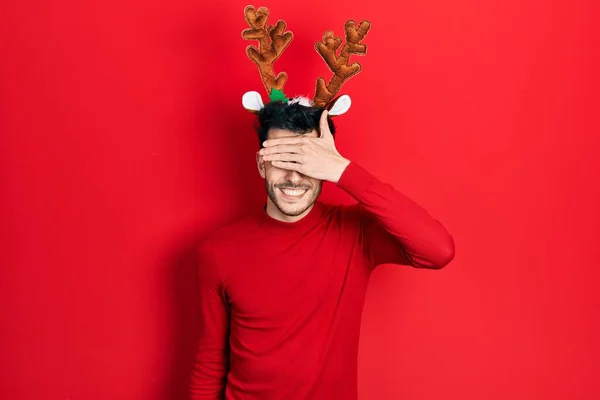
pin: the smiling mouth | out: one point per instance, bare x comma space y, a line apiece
293, 193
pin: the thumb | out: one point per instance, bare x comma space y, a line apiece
324, 126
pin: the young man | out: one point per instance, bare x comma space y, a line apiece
281, 291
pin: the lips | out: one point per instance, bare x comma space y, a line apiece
293, 193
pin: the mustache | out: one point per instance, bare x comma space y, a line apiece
288, 186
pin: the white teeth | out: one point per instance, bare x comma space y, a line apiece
293, 192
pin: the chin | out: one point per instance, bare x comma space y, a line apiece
293, 211
294, 207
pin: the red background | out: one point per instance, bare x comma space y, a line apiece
123, 142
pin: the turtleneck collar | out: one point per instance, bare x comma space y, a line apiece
309, 220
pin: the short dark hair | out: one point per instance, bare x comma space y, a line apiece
293, 117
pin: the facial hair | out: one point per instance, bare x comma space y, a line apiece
312, 192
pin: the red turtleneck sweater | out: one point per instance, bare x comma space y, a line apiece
280, 303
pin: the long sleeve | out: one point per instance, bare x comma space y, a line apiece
211, 365
394, 229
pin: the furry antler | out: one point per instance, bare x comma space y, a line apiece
327, 48
272, 40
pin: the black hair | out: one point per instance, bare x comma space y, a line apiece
293, 117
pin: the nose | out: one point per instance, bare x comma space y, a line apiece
293, 176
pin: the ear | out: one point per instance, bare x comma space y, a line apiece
252, 101
340, 105
260, 164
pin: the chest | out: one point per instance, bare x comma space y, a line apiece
295, 276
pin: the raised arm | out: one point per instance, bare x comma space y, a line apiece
395, 229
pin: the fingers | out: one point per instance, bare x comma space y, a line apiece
324, 125
282, 148
285, 140
287, 157
288, 165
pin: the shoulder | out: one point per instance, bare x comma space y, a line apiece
230, 234
212, 252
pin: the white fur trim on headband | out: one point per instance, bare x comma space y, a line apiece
302, 100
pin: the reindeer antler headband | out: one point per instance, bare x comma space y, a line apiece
274, 39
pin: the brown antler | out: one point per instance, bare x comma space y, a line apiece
272, 42
339, 65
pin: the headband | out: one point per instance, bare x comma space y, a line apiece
274, 39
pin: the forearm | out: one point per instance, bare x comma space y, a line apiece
425, 241
208, 377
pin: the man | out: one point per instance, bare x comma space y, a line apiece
281, 291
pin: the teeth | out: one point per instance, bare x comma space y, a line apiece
294, 192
